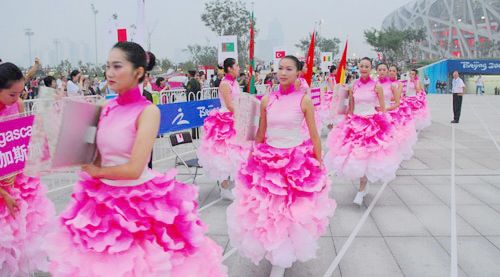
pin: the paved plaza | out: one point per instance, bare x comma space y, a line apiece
407, 233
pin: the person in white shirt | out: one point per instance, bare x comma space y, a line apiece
479, 85
74, 86
427, 82
458, 90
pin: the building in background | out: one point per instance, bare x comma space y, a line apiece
454, 28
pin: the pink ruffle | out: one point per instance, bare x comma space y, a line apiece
219, 153
21, 237
282, 205
406, 135
420, 110
139, 227
364, 146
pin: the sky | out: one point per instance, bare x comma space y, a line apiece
68, 26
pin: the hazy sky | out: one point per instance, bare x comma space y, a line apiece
177, 22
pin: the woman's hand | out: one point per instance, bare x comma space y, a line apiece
92, 170
10, 202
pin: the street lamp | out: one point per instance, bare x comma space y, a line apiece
95, 11
29, 34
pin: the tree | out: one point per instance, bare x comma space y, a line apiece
396, 45
186, 66
228, 17
321, 45
164, 64
202, 55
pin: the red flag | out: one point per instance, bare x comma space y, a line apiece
340, 76
310, 60
122, 35
251, 82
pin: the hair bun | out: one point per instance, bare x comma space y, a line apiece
150, 61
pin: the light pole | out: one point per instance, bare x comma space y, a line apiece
29, 33
57, 42
95, 11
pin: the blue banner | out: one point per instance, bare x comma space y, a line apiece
489, 67
185, 115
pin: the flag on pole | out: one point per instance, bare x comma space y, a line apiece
251, 84
341, 69
310, 60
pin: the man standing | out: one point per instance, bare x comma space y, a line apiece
192, 88
427, 82
457, 89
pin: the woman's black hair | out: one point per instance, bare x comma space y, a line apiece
9, 73
159, 80
229, 62
48, 80
332, 68
296, 61
382, 63
136, 55
74, 73
415, 70
395, 66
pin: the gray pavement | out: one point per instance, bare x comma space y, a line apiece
408, 231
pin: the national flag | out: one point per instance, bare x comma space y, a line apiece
310, 60
280, 54
228, 47
341, 69
327, 58
251, 47
122, 34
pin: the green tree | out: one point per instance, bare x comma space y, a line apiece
202, 55
321, 45
186, 66
396, 45
230, 17
165, 64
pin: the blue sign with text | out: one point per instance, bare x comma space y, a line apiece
185, 115
475, 66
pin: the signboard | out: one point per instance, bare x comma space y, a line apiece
185, 115
475, 66
326, 61
15, 137
228, 48
278, 54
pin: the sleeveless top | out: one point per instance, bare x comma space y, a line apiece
365, 97
411, 88
285, 118
117, 131
235, 90
386, 85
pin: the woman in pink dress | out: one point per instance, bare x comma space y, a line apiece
416, 98
219, 152
406, 135
405, 115
282, 205
363, 146
125, 219
25, 212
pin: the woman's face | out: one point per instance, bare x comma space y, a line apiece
365, 67
234, 70
9, 96
393, 72
287, 72
413, 75
120, 73
382, 71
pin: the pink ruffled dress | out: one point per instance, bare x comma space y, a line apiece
144, 227
219, 153
282, 205
21, 237
417, 101
406, 134
364, 144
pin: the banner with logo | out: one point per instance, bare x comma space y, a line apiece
185, 115
228, 48
15, 137
326, 61
279, 53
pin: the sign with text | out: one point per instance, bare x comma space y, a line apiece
228, 48
15, 137
475, 66
185, 115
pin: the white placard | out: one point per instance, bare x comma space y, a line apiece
278, 54
326, 61
246, 117
227, 48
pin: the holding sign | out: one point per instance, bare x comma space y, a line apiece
15, 136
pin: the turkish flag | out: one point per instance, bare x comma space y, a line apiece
280, 54
122, 35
